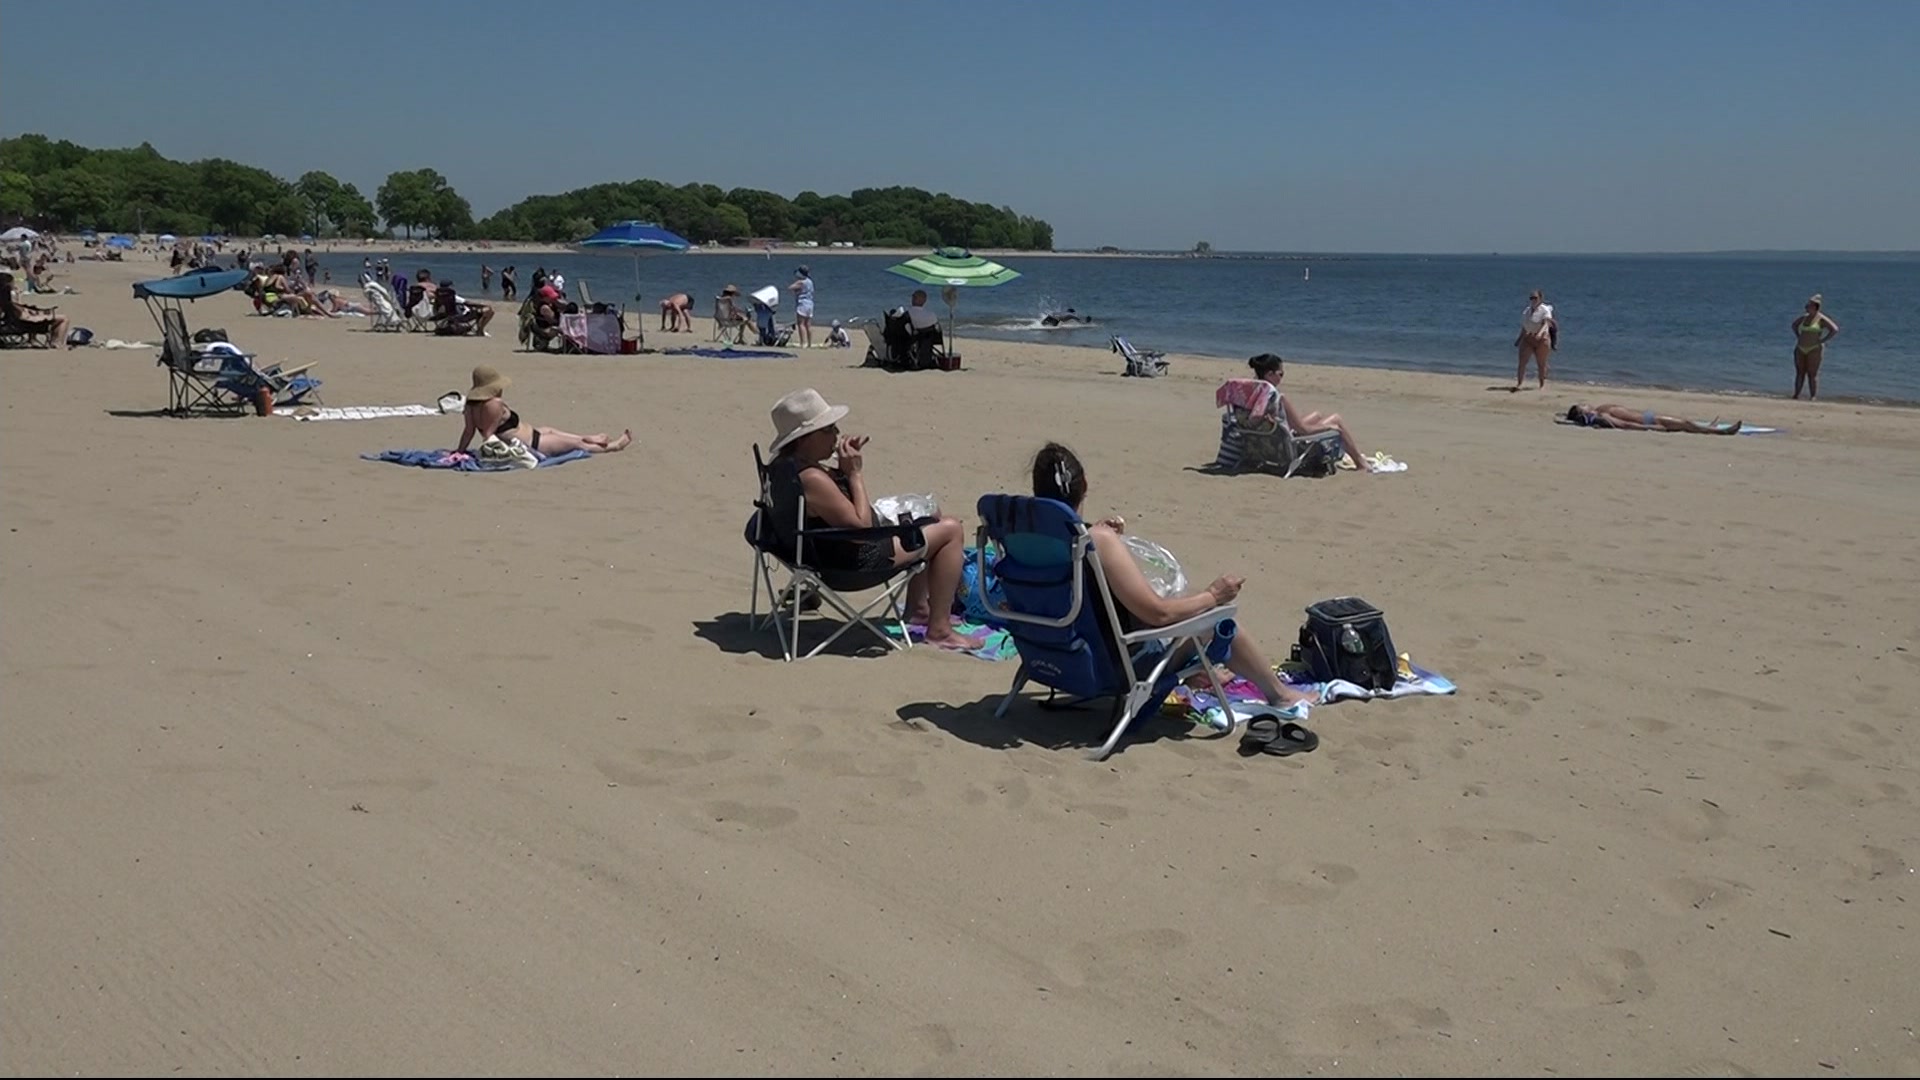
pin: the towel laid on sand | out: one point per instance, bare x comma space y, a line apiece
451, 459
1201, 707
1377, 462
360, 412
995, 644
730, 354
1745, 429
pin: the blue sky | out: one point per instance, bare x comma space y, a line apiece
1256, 126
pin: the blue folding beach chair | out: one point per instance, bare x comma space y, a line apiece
1071, 638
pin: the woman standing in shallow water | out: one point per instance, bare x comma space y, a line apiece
1811, 332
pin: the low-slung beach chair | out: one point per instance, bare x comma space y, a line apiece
386, 313
1254, 434
729, 322
1063, 618
216, 379
780, 538
1141, 364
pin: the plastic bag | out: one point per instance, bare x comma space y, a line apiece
904, 508
1162, 569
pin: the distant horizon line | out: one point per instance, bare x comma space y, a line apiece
1218, 252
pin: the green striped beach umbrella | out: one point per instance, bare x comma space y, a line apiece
953, 269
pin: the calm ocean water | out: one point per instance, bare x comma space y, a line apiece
1689, 321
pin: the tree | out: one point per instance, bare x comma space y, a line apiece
16, 195
73, 197
350, 212
319, 191
1203, 248
422, 199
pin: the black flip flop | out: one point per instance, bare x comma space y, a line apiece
1281, 738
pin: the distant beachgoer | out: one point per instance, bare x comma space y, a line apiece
1272, 369
366, 267
1811, 333
838, 337
35, 320
1538, 328
802, 289
508, 290
1062, 318
486, 278
487, 413
1626, 419
559, 282
313, 265
676, 313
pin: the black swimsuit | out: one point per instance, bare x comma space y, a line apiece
511, 424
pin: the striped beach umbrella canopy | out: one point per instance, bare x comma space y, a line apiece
957, 267
953, 269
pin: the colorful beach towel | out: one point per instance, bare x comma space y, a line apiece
1200, 706
456, 461
730, 353
995, 644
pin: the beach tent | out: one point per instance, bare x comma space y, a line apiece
953, 269
18, 232
639, 238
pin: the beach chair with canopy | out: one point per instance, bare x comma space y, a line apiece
1061, 614
215, 376
781, 538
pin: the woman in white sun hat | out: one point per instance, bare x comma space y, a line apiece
806, 435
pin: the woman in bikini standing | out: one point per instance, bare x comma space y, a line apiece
487, 413
1811, 332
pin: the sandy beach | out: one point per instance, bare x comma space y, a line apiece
316, 765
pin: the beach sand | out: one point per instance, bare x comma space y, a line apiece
318, 765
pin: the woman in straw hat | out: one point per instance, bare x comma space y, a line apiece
487, 413
806, 434
1811, 332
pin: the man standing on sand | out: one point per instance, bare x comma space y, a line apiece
1538, 329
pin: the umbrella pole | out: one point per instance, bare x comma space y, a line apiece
951, 320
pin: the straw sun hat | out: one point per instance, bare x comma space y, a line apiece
487, 384
802, 413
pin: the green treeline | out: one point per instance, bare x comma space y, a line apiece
63, 186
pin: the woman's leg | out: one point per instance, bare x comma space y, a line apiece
1520, 374
1246, 661
1799, 373
1332, 422
1675, 423
1813, 371
1542, 348
931, 601
554, 441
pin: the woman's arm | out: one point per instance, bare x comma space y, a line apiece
828, 503
1833, 328
1295, 422
1132, 591
467, 433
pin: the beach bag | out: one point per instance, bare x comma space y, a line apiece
1346, 638
208, 335
79, 335
975, 593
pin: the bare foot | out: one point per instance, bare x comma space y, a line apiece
621, 443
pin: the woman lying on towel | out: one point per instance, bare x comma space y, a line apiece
1058, 474
487, 413
806, 434
1269, 368
1619, 416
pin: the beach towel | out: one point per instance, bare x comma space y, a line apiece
1248, 394
359, 412
1200, 706
995, 643
1745, 429
453, 460
1377, 461
730, 354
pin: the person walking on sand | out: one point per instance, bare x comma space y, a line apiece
1538, 328
802, 289
1811, 332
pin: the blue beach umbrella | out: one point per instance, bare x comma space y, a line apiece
638, 237
119, 242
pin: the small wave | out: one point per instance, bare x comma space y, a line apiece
1027, 324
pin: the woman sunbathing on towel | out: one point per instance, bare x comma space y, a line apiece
1058, 474
487, 414
1271, 369
1619, 416
807, 433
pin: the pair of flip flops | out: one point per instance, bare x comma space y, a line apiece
1281, 738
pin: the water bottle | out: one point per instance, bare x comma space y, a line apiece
1350, 640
